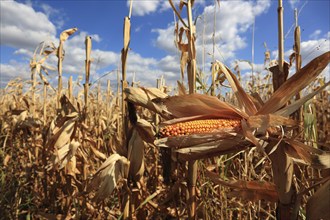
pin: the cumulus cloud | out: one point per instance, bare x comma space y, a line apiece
234, 19
144, 7
315, 35
12, 70
19, 32
165, 39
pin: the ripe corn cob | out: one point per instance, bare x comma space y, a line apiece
198, 126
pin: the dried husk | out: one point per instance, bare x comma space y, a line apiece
63, 155
246, 103
62, 135
136, 155
289, 109
144, 96
197, 104
106, 178
249, 190
262, 122
308, 155
295, 83
198, 146
319, 203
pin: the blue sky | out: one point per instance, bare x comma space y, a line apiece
24, 24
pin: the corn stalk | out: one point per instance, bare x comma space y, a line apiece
124, 53
191, 71
70, 89
299, 113
60, 55
126, 201
282, 164
88, 45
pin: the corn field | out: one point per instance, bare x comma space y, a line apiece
260, 151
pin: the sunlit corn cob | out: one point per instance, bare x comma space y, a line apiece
198, 126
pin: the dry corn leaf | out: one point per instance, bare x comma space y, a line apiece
6, 160
181, 88
144, 97
22, 116
107, 176
178, 142
63, 135
198, 146
270, 120
288, 110
249, 190
145, 130
319, 203
295, 84
136, 155
71, 167
65, 34
63, 155
245, 101
311, 156
257, 100
95, 151
197, 104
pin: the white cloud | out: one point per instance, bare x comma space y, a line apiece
315, 35
232, 22
12, 70
22, 26
294, 3
57, 16
144, 7
165, 39
311, 49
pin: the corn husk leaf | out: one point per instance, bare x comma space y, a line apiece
308, 155
244, 100
96, 152
145, 130
295, 84
62, 135
136, 155
144, 96
257, 100
270, 120
319, 203
71, 167
197, 104
105, 180
249, 190
197, 146
63, 155
288, 110
248, 133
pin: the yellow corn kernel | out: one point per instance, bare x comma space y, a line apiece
198, 126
